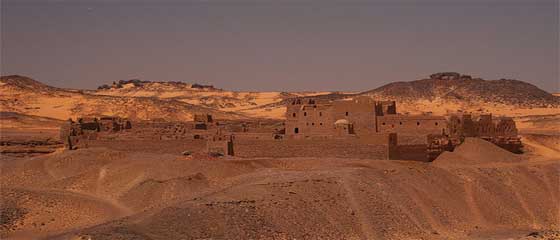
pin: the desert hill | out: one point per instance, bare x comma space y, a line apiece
533, 109
254, 104
439, 94
457, 87
27, 96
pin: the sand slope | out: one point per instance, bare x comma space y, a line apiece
127, 195
477, 151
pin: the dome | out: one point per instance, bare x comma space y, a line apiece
341, 122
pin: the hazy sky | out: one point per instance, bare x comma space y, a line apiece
281, 44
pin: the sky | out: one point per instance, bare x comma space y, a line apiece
279, 45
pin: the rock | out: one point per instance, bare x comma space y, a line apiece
446, 76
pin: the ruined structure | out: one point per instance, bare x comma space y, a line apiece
202, 121
76, 134
353, 128
419, 136
361, 117
220, 144
500, 131
113, 124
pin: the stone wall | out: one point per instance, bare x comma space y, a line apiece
253, 136
411, 125
257, 148
160, 146
354, 148
415, 152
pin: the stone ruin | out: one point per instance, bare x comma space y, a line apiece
114, 124
202, 121
76, 134
420, 136
354, 128
220, 144
308, 118
501, 131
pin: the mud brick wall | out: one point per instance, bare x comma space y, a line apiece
310, 148
411, 125
405, 139
159, 146
410, 152
253, 136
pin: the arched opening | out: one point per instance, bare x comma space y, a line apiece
296, 130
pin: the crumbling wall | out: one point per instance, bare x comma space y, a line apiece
160, 130
505, 126
220, 145
383, 108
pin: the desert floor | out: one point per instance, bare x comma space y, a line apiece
477, 192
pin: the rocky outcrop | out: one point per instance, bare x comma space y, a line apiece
449, 76
464, 88
141, 83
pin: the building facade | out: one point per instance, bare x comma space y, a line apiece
362, 116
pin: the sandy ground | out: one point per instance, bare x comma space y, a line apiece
477, 192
